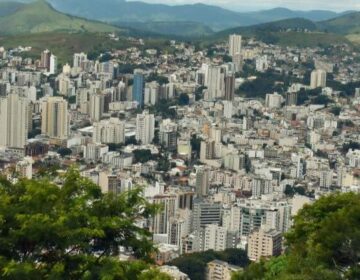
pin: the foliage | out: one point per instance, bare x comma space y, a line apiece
35, 131
183, 99
162, 80
324, 243
199, 93
39, 17
322, 100
194, 265
291, 191
267, 82
115, 147
105, 57
63, 44
72, 232
143, 156
336, 110
63, 152
131, 141
163, 162
305, 95
351, 145
164, 108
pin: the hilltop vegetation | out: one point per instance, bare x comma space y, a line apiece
64, 45
40, 17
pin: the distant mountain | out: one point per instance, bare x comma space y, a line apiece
39, 16
215, 17
346, 24
276, 26
283, 13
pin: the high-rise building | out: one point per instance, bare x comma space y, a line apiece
260, 186
202, 181
215, 83
230, 87
205, 213
14, 121
168, 134
228, 109
54, 118
235, 44
326, 178
207, 150
53, 64
318, 79
109, 131
215, 238
291, 98
273, 100
162, 218
258, 213
264, 243
97, 105
138, 88
79, 59
145, 128
45, 59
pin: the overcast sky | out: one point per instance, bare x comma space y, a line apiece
246, 5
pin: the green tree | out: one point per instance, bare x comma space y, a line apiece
194, 265
71, 232
143, 156
183, 99
324, 243
63, 152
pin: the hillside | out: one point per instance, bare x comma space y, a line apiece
215, 17
276, 26
289, 32
168, 28
64, 45
7, 8
346, 24
41, 17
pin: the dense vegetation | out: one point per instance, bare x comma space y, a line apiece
72, 232
63, 44
194, 265
41, 17
267, 82
324, 243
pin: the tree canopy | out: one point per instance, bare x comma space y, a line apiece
194, 265
324, 243
72, 232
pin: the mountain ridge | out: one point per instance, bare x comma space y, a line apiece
40, 16
215, 17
